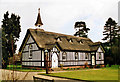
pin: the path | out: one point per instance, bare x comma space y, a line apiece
7, 74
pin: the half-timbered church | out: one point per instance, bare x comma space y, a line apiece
58, 49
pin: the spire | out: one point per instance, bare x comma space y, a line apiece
38, 22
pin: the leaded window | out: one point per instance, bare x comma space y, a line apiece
64, 55
99, 55
86, 55
76, 55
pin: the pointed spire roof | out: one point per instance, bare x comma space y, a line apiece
39, 21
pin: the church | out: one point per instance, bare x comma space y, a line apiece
40, 46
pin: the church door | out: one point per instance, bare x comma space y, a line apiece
54, 60
93, 59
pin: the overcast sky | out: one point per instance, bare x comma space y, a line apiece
60, 15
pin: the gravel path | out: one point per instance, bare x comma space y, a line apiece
8, 74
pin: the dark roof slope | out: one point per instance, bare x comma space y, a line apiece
47, 40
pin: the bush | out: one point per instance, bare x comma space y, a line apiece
86, 67
61, 66
72, 69
98, 66
68, 68
86, 64
78, 68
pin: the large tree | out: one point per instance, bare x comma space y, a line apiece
81, 29
111, 45
10, 34
110, 31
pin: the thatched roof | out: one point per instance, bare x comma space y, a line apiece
47, 40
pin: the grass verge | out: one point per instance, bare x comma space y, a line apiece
108, 73
19, 68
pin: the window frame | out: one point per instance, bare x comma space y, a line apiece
76, 53
100, 56
86, 56
64, 54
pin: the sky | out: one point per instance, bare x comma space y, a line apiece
60, 15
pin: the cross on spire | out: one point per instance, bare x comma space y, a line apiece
39, 21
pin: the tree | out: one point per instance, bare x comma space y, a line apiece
10, 34
111, 33
81, 29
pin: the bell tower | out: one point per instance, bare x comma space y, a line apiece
39, 21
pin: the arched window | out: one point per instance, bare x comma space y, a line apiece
70, 40
58, 39
99, 55
86, 55
64, 56
81, 42
76, 55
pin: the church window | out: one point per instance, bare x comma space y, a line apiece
76, 55
64, 56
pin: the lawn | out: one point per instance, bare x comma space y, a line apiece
19, 68
108, 73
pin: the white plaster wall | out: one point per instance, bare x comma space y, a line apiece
97, 56
71, 56
36, 54
30, 40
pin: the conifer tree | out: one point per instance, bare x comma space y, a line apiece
110, 31
10, 34
81, 29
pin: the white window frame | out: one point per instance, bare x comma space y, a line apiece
64, 54
86, 56
99, 56
76, 58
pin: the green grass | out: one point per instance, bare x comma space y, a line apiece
19, 68
108, 73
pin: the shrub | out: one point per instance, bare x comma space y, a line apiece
61, 66
78, 68
86, 67
71, 68
98, 66
86, 63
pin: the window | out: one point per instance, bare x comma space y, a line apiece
86, 55
99, 55
81, 42
76, 55
30, 47
70, 40
58, 39
64, 56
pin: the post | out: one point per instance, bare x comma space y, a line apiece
13, 59
46, 61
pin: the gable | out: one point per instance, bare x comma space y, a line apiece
100, 49
30, 40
